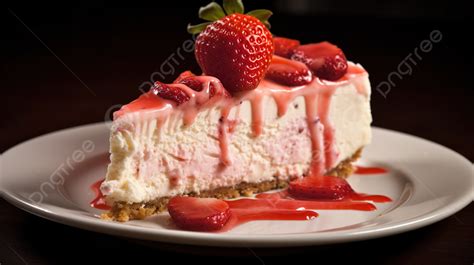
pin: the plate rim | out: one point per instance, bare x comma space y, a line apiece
233, 240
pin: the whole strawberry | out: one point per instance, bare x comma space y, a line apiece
237, 48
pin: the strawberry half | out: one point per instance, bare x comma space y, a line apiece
182, 76
198, 214
288, 72
326, 60
192, 82
170, 93
320, 187
237, 49
285, 47
189, 79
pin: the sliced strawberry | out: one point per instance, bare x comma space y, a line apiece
198, 214
285, 47
170, 93
320, 187
182, 76
326, 60
195, 84
192, 82
288, 72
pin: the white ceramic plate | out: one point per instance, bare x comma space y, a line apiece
50, 176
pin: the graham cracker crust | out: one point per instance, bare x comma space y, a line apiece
123, 212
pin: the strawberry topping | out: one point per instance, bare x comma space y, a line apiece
320, 187
198, 214
326, 60
170, 92
196, 84
285, 47
182, 76
236, 49
288, 72
192, 82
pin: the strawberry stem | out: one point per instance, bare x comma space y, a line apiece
213, 12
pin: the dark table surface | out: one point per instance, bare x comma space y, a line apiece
62, 69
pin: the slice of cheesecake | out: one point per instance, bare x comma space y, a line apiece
191, 137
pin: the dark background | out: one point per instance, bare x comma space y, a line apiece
105, 54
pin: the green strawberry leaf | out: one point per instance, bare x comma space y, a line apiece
195, 29
261, 14
233, 6
212, 12
267, 24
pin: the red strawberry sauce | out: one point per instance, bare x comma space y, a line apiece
282, 206
99, 201
370, 170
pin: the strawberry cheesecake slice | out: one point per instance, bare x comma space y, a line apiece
266, 110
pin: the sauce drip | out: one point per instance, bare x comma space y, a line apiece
99, 201
369, 170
